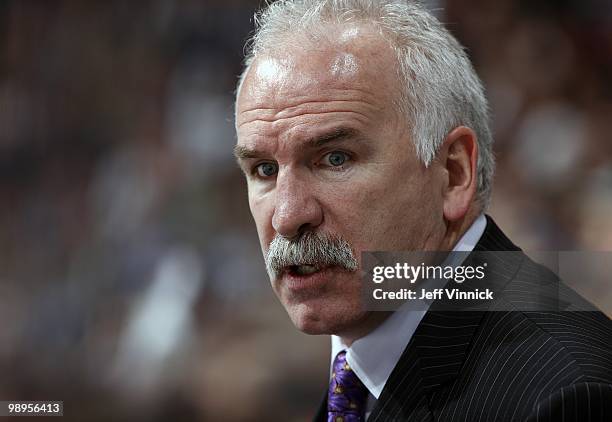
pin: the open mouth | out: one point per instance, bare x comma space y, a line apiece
302, 270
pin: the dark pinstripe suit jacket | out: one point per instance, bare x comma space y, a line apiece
519, 365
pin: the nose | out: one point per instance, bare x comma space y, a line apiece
296, 209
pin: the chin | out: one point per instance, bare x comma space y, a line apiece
316, 320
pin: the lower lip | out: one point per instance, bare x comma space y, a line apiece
300, 283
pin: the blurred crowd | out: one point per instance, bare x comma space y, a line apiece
132, 286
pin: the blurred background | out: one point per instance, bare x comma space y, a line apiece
132, 286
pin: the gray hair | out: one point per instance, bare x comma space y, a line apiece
440, 87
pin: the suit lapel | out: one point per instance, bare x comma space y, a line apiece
403, 397
433, 356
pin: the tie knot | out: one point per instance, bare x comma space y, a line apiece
347, 396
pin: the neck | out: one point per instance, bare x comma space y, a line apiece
456, 229
369, 323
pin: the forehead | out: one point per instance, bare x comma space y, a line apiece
350, 62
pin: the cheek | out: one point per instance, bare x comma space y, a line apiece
381, 195
360, 211
389, 212
262, 209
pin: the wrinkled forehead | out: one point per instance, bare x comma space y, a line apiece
355, 58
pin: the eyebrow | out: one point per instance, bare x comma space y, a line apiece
338, 134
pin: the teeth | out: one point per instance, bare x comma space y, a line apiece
305, 269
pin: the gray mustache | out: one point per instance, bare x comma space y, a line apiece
310, 248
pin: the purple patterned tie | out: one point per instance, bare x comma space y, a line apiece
347, 396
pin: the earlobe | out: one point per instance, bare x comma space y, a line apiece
460, 159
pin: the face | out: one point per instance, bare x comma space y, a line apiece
325, 151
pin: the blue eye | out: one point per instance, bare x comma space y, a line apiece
336, 158
266, 169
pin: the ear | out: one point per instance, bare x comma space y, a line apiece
459, 157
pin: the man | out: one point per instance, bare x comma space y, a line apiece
362, 126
